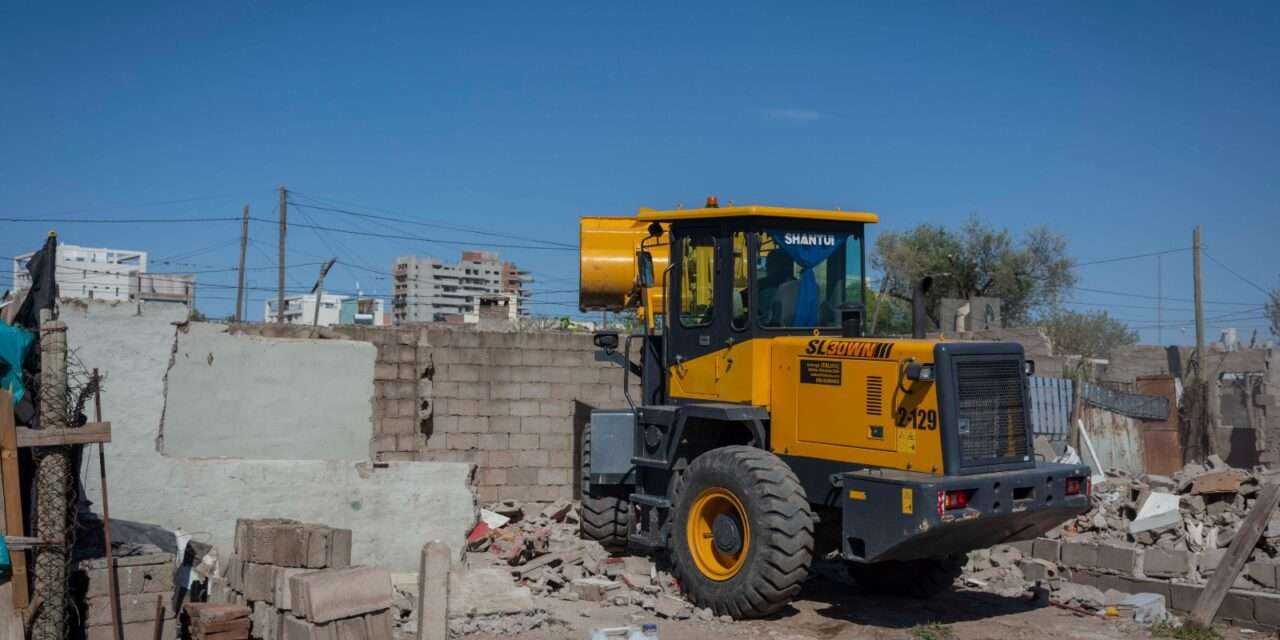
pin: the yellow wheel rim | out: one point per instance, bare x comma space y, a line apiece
713, 560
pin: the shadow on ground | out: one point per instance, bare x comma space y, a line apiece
842, 602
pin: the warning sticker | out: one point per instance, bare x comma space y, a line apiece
820, 372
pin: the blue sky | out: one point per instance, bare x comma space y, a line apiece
1121, 125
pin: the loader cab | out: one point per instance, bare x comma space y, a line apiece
741, 277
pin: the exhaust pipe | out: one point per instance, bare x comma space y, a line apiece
918, 317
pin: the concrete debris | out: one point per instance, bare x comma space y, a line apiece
1145, 535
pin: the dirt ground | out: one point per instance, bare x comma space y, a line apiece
831, 610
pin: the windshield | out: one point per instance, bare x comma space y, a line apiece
804, 276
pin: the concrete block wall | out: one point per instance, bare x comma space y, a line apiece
513, 404
401, 378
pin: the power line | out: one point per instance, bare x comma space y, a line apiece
1233, 272
388, 236
435, 225
118, 220
1132, 257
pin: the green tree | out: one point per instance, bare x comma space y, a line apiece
1092, 335
978, 260
895, 315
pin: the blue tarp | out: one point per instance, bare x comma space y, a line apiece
14, 342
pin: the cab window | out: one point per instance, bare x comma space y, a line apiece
804, 276
697, 280
741, 281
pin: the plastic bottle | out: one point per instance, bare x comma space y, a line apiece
649, 631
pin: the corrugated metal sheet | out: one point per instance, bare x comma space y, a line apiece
1133, 405
1050, 406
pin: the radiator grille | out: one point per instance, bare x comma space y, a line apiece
875, 395
991, 416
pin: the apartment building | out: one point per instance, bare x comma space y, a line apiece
430, 290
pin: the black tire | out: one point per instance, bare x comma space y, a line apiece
779, 532
605, 510
923, 578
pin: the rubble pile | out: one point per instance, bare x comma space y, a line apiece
545, 553
1146, 535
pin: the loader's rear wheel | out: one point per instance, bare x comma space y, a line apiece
922, 578
742, 538
606, 511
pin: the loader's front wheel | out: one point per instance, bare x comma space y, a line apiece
605, 511
922, 578
742, 539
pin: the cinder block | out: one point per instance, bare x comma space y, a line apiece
1182, 597
535, 390
1237, 606
352, 629
553, 476
134, 630
290, 546
524, 441
1120, 559
1265, 573
504, 424
561, 457
565, 390
378, 626
522, 476
280, 594
494, 441
132, 580
524, 408
555, 441
460, 441
532, 458
339, 548
385, 371
540, 424
1266, 609
396, 426
298, 629
502, 459
556, 408
1079, 554
318, 541
334, 594
1166, 564
407, 370
139, 608
504, 391
259, 581
473, 424
493, 476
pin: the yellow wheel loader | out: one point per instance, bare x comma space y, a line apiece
763, 428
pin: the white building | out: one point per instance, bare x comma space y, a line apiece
301, 309
429, 290
107, 274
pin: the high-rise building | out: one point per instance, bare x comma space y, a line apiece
89, 273
429, 290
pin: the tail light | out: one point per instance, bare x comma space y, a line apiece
954, 500
1077, 485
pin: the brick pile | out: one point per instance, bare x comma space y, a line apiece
210, 621
144, 576
1117, 547
273, 557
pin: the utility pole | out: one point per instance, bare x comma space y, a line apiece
1159, 303
284, 223
244, 243
319, 289
1195, 244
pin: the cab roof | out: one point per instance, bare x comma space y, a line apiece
757, 211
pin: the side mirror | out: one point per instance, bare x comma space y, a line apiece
606, 341
644, 269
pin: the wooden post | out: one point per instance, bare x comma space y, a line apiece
113, 586
1237, 555
284, 224
12, 520
244, 243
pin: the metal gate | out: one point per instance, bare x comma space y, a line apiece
1050, 406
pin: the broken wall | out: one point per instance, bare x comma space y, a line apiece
392, 508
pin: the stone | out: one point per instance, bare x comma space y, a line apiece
133, 579
280, 595
487, 592
637, 565
295, 628
593, 589
139, 608
1080, 595
339, 548
1210, 559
